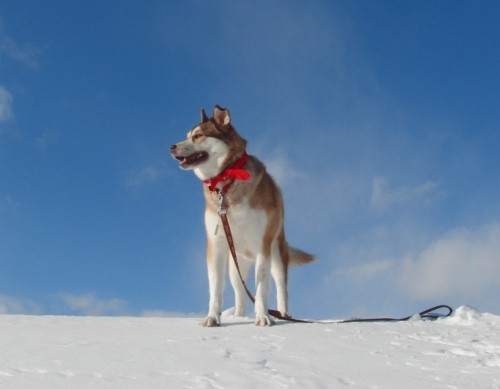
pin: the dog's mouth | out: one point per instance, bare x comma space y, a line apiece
193, 159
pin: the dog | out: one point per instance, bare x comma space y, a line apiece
217, 155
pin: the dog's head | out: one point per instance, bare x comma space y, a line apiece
211, 146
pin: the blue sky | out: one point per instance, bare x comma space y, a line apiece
380, 121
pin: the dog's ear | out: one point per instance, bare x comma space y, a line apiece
221, 116
204, 117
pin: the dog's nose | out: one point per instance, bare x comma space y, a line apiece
173, 147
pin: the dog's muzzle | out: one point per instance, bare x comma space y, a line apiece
187, 161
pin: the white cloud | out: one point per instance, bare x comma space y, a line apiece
459, 267
27, 55
5, 104
18, 306
282, 169
463, 263
89, 304
383, 196
147, 175
8, 205
160, 313
45, 140
368, 271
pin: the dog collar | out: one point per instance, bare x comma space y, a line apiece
232, 173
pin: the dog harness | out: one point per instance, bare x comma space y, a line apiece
232, 173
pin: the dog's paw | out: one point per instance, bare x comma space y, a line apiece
264, 320
211, 321
239, 311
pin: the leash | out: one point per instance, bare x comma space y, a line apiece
428, 314
220, 185
222, 211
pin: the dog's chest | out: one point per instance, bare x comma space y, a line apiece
248, 226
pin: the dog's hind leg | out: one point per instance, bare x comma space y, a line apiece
279, 271
262, 275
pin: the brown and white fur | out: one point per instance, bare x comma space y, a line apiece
255, 213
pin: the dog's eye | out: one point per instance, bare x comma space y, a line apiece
197, 136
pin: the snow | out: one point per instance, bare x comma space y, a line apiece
50, 352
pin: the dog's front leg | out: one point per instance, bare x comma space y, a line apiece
240, 295
217, 254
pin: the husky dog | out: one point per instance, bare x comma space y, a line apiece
217, 155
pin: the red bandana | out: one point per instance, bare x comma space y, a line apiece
234, 172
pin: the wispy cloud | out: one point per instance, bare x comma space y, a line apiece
25, 54
44, 141
282, 168
459, 267
160, 313
146, 175
463, 263
89, 304
368, 271
5, 104
18, 306
8, 205
384, 196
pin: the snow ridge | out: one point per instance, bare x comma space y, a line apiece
50, 352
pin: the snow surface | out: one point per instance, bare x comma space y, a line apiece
50, 352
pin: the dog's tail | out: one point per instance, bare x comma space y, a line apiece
299, 257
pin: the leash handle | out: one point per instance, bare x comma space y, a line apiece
425, 314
